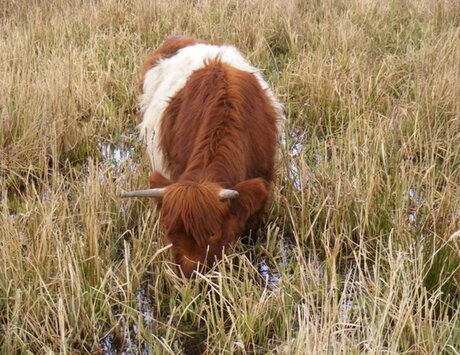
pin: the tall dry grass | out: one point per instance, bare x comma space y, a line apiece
360, 249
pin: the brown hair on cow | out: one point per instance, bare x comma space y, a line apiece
197, 208
218, 132
227, 128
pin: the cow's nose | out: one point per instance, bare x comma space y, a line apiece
188, 266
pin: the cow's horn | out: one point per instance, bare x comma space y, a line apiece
144, 193
225, 194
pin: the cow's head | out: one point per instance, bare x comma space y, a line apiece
200, 219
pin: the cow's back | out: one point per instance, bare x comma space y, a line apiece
205, 104
221, 126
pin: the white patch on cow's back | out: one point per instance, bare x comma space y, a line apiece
169, 76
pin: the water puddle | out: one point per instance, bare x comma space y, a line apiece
282, 255
413, 201
416, 200
294, 151
271, 279
126, 339
301, 164
121, 154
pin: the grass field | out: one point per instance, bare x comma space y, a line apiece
360, 248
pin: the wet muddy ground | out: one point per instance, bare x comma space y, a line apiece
120, 158
125, 339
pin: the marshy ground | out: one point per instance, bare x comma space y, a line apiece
359, 251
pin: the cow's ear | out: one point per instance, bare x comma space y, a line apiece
253, 194
157, 180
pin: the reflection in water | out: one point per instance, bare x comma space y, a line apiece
125, 339
121, 156
294, 153
271, 279
123, 159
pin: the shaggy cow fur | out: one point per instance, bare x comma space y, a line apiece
210, 122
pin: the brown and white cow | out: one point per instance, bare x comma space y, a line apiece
210, 122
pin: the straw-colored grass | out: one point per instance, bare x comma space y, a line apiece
359, 251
